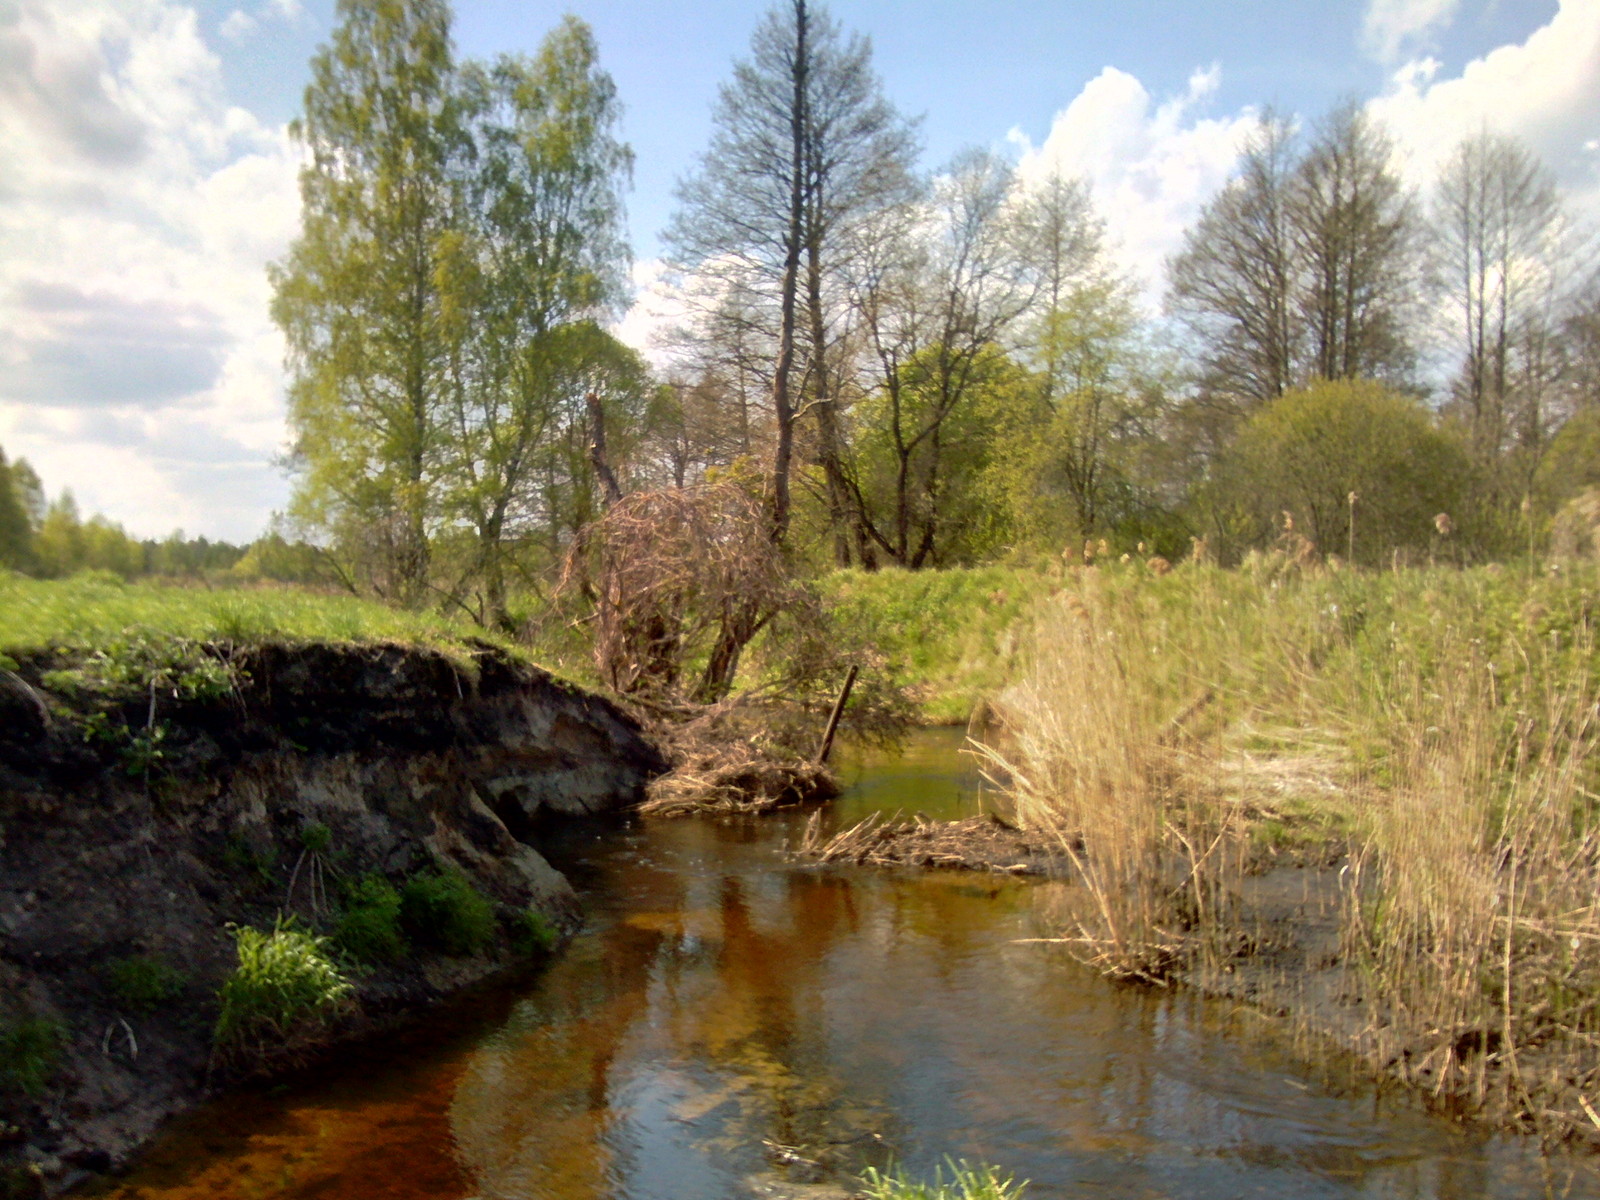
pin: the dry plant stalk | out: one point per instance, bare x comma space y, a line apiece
1093, 755
981, 843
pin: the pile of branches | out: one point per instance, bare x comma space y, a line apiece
727, 760
982, 843
690, 594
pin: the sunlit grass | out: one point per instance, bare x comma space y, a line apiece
967, 1181
90, 609
1440, 726
955, 631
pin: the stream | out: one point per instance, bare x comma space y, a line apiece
732, 1023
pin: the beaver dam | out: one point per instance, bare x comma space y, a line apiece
736, 1022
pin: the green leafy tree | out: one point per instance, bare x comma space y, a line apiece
537, 260
361, 296
1309, 452
16, 531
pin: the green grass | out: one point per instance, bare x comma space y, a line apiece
968, 1181
368, 928
285, 990
444, 911
93, 611
30, 1050
532, 933
143, 984
953, 633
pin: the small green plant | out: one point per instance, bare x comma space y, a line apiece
968, 1181
30, 1051
443, 910
532, 932
368, 929
315, 840
143, 755
240, 855
285, 990
143, 984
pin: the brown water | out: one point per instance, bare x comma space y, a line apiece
731, 1020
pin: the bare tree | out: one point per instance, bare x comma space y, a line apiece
1354, 231
1498, 225
1234, 284
803, 145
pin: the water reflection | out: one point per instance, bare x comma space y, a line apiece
731, 1016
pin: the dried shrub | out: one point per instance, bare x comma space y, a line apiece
682, 580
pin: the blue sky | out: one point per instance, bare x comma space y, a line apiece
149, 180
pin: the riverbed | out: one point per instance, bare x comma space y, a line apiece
733, 1023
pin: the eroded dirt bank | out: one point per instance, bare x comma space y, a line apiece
139, 827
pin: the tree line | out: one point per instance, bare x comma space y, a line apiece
896, 366
909, 367
52, 539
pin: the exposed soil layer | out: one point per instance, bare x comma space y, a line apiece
140, 825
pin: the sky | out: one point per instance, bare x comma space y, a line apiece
147, 177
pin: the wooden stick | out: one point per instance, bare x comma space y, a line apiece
838, 711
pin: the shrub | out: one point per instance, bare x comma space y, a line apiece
532, 932
368, 930
144, 984
30, 1049
444, 911
284, 990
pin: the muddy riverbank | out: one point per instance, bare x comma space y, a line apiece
139, 827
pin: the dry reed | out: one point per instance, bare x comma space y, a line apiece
1452, 723
1093, 752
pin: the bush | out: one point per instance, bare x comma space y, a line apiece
143, 984
532, 932
368, 930
444, 911
30, 1049
284, 990
1309, 451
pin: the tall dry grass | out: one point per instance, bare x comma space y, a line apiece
1098, 750
1474, 897
1452, 720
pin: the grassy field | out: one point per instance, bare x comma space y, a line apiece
952, 637
90, 610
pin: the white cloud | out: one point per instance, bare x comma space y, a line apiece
1150, 166
237, 26
1545, 90
136, 218
656, 309
1390, 26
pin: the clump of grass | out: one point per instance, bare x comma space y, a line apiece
968, 1181
1438, 726
30, 1051
143, 984
368, 929
284, 992
532, 932
444, 911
